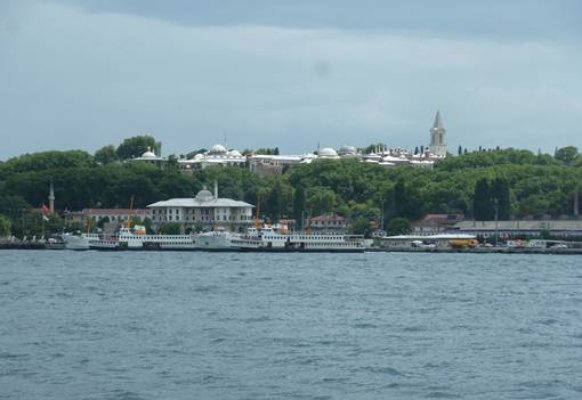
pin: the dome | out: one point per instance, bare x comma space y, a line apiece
198, 156
347, 151
148, 154
327, 152
204, 195
217, 149
235, 153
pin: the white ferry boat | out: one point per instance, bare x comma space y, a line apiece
136, 239
268, 240
79, 241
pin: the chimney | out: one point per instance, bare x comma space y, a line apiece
216, 189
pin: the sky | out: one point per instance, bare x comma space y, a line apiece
82, 74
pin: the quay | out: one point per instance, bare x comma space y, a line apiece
479, 250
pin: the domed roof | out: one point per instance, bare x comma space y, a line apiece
217, 149
198, 156
327, 152
204, 195
235, 153
148, 154
347, 150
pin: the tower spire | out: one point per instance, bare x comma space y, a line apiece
51, 198
438, 146
438, 121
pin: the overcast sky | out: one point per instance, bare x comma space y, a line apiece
264, 73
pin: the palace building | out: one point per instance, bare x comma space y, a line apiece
205, 211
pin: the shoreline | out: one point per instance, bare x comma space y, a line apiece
480, 250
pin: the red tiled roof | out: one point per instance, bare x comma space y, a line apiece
328, 218
115, 211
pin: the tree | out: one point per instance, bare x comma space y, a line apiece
568, 155
500, 193
170, 228
299, 205
372, 148
103, 221
5, 225
45, 161
406, 201
137, 145
399, 226
106, 155
13, 206
360, 226
194, 152
483, 209
264, 151
321, 200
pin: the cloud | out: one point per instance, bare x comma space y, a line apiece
78, 79
494, 18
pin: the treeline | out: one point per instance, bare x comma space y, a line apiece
513, 183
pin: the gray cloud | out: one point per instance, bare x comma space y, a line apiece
78, 79
496, 18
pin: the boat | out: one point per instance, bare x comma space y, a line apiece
79, 241
109, 244
135, 238
217, 240
266, 239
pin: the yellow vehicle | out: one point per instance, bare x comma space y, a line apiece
463, 243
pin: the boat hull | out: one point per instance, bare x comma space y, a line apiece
296, 250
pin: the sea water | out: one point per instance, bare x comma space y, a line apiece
194, 325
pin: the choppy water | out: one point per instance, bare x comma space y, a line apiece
134, 326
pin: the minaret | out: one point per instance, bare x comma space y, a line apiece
438, 146
51, 198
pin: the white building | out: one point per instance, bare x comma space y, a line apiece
206, 211
151, 158
272, 164
217, 155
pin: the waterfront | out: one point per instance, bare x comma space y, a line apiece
148, 325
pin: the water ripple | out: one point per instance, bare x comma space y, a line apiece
136, 326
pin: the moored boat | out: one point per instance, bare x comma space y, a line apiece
268, 240
79, 242
136, 239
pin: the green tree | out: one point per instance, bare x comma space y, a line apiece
321, 200
500, 194
360, 226
170, 228
299, 206
191, 154
278, 198
567, 155
45, 161
399, 226
5, 226
483, 208
106, 155
137, 145
102, 221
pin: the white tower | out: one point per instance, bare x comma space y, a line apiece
51, 198
438, 145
